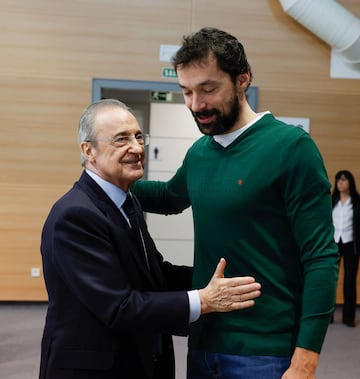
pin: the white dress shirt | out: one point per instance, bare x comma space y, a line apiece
343, 221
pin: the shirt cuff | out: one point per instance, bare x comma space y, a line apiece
195, 305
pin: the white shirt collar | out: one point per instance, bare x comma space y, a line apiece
226, 139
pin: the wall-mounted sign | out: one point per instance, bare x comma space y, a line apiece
161, 96
167, 52
168, 72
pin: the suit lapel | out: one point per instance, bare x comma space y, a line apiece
118, 221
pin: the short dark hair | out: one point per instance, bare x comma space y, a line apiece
227, 50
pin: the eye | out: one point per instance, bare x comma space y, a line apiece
120, 140
209, 90
186, 92
139, 138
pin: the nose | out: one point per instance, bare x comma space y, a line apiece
196, 103
138, 140
135, 147
134, 142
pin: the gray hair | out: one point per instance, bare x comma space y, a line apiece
87, 127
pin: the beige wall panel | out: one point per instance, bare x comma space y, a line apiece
24, 208
40, 161
51, 50
85, 39
39, 119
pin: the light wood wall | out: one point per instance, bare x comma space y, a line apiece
50, 51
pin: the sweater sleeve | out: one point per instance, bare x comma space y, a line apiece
163, 197
308, 202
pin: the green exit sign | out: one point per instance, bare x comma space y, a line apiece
161, 96
168, 73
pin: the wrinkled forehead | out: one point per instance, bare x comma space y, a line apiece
115, 120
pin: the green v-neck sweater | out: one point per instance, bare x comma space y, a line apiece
263, 203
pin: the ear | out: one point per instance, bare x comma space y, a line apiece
243, 80
87, 151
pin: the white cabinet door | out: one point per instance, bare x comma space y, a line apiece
172, 121
172, 132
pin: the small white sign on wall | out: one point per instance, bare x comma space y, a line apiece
302, 122
167, 52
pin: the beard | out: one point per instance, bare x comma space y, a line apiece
223, 122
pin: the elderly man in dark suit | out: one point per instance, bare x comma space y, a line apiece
113, 301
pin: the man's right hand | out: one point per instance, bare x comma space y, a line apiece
228, 294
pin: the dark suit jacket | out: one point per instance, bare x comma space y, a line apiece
107, 312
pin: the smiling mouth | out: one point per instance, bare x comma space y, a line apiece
205, 117
133, 161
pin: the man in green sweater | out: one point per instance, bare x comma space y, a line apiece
260, 197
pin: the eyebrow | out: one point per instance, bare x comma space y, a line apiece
202, 84
127, 133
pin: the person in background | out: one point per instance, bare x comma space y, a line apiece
346, 218
113, 301
261, 196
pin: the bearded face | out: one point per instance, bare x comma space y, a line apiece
213, 121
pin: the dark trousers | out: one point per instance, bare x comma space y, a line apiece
351, 265
164, 368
